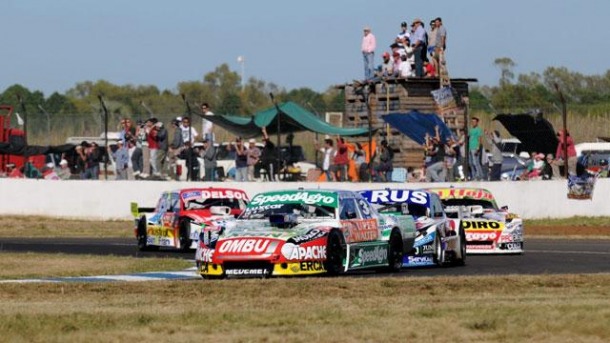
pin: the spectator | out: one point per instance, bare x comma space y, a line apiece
368, 52
430, 70
209, 160
536, 166
405, 67
241, 159
95, 157
436, 172
153, 144
269, 157
494, 141
396, 62
564, 140
450, 158
418, 42
137, 157
63, 172
547, 169
329, 153
441, 35
121, 159
474, 149
163, 146
410, 55
359, 157
189, 134
385, 167
404, 31
174, 148
254, 155
341, 160
387, 67
432, 38
189, 154
207, 126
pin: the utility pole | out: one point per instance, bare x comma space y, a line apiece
564, 117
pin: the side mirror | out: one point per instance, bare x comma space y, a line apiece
505, 208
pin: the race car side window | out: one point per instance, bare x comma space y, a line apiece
348, 209
174, 203
164, 203
365, 208
437, 208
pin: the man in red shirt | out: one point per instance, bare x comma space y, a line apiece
341, 160
559, 154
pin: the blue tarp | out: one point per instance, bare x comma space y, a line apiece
415, 125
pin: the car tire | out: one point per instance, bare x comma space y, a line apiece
461, 261
184, 232
143, 236
439, 252
335, 254
395, 252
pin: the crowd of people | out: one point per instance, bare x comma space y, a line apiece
414, 52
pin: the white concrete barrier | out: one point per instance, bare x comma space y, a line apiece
103, 200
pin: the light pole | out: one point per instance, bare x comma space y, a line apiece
242, 62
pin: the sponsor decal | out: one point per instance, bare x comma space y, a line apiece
214, 194
360, 230
480, 247
462, 193
481, 224
247, 272
168, 219
425, 239
247, 246
419, 260
306, 197
481, 236
513, 246
370, 256
383, 196
295, 252
309, 236
427, 249
204, 255
160, 232
311, 266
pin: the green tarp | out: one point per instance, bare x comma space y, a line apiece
293, 118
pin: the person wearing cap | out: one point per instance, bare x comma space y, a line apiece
396, 62
209, 160
404, 31
63, 172
121, 159
368, 52
254, 155
418, 42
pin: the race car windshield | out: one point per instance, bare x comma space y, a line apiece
415, 210
302, 211
469, 202
207, 203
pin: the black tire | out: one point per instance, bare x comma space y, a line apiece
184, 232
143, 237
439, 252
461, 261
395, 252
335, 254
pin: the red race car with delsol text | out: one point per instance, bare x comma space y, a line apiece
177, 220
305, 232
489, 229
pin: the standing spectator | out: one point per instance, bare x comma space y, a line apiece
418, 42
341, 160
207, 127
153, 144
254, 155
359, 158
441, 35
175, 147
404, 32
328, 152
137, 157
368, 52
189, 134
386, 158
493, 139
95, 156
190, 154
436, 172
241, 159
209, 160
121, 159
474, 149
269, 157
564, 140
163, 143
432, 38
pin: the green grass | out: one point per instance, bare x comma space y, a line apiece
550, 308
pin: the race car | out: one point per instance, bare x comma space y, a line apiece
489, 229
437, 242
177, 219
305, 232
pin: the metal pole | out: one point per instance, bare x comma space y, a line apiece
370, 124
105, 110
48, 129
564, 118
279, 128
466, 159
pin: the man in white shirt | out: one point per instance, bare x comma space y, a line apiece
188, 132
206, 125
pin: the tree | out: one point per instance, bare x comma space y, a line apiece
506, 66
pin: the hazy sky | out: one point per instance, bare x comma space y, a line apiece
52, 45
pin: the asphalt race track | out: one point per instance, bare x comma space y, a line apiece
542, 256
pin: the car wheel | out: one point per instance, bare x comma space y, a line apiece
143, 236
462, 261
335, 253
185, 239
395, 252
439, 252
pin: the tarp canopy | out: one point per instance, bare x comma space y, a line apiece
534, 132
293, 118
415, 125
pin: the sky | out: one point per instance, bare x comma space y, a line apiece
53, 45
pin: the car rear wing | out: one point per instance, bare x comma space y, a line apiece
135, 210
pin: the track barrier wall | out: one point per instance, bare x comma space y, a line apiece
110, 200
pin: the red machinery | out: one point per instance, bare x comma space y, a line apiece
11, 136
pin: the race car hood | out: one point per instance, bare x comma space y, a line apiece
534, 132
